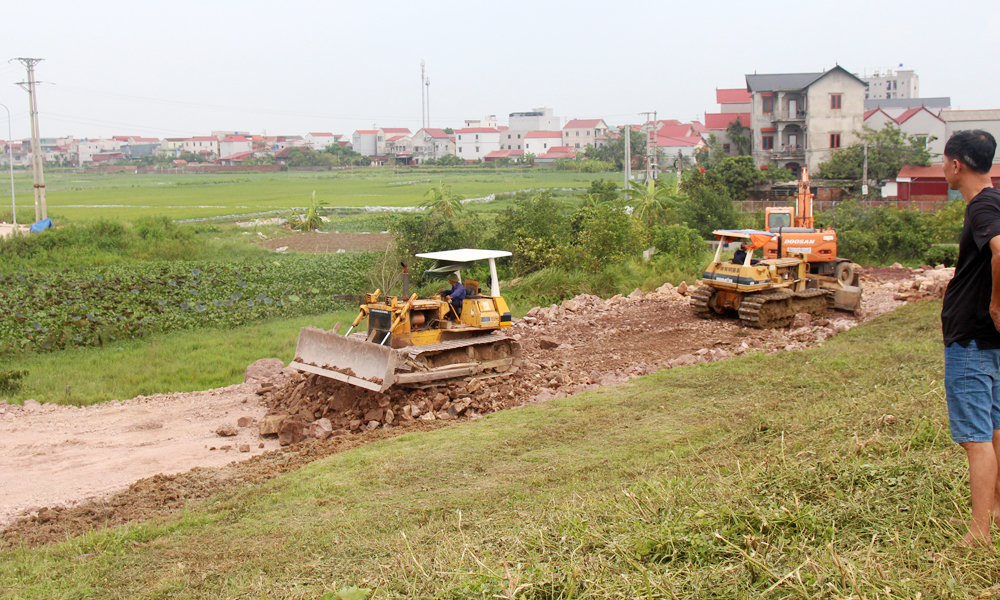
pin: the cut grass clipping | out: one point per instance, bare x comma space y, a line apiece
825, 473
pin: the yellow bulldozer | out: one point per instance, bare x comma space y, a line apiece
413, 341
770, 292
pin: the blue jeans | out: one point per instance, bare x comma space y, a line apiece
972, 386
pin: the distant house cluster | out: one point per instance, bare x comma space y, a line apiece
790, 120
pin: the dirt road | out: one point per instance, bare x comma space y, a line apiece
67, 469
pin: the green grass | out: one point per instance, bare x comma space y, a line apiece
82, 196
760, 477
179, 361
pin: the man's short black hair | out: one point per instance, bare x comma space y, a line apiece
974, 147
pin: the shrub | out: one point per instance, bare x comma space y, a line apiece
608, 234
942, 254
880, 235
679, 241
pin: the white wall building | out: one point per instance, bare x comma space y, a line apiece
958, 120
201, 144
319, 141
431, 143
234, 144
580, 133
891, 84
540, 142
472, 143
86, 149
365, 141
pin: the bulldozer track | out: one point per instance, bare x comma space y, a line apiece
777, 308
699, 302
459, 358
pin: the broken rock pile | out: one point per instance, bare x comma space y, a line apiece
312, 406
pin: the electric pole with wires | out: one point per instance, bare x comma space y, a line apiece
650, 146
37, 160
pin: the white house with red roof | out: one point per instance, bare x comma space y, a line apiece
580, 133
914, 121
677, 152
431, 143
87, 149
540, 142
234, 144
319, 141
717, 124
383, 145
400, 144
555, 154
473, 143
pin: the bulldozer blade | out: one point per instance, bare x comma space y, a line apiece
847, 298
350, 360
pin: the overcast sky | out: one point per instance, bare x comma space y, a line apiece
179, 68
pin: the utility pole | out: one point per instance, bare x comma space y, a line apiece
41, 212
423, 81
650, 146
864, 176
628, 154
427, 83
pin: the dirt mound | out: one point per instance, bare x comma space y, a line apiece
577, 345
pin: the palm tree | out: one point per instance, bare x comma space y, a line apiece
441, 199
652, 201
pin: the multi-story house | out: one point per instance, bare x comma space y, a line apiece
366, 141
201, 144
580, 133
320, 141
472, 143
234, 144
399, 144
801, 118
87, 149
383, 145
918, 122
521, 123
891, 84
430, 143
540, 142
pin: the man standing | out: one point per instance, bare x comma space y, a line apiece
970, 319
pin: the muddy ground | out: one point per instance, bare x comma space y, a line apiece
83, 468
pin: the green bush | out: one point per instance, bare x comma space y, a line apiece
880, 235
942, 254
608, 234
947, 222
10, 381
679, 241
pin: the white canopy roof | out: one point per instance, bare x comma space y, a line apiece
464, 255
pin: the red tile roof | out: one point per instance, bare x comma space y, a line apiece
202, 138
732, 96
563, 149
909, 113
396, 137
237, 156
435, 133
666, 141
722, 120
477, 130
871, 112
675, 130
321, 134
121, 138
145, 140
544, 134
504, 154
396, 130
235, 138
366, 131
698, 127
583, 123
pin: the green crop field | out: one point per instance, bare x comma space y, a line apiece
83, 196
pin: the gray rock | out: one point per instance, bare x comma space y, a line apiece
263, 368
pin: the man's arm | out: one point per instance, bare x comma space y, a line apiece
995, 297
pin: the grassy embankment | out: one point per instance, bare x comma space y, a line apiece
777, 476
83, 196
178, 361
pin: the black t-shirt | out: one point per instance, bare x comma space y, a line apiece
965, 315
